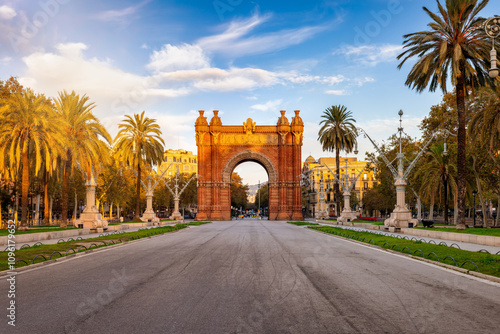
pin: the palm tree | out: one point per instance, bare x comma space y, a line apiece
455, 46
85, 140
485, 123
438, 174
29, 133
337, 133
138, 142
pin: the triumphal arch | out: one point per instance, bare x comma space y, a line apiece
221, 148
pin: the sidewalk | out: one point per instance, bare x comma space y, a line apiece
475, 247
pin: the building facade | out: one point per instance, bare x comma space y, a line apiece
318, 191
185, 161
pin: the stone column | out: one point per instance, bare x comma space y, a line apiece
176, 214
149, 214
90, 217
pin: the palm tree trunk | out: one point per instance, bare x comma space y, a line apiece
138, 192
445, 182
431, 207
337, 184
455, 207
65, 191
461, 155
46, 213
24, 190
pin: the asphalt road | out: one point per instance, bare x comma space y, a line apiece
248, 277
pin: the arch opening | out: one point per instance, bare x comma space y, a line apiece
249, 191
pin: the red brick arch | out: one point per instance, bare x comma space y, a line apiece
223, 147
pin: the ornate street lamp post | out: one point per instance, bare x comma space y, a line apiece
492, 29
401, 216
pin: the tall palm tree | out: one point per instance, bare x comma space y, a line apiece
29, 133
86, 140
485, 123
337, 133
438, 174
452, 46
138, 142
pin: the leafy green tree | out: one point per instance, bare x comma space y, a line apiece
29, 131
438, 174
238, 192
337, 133
86, 140
137, 143
451, 46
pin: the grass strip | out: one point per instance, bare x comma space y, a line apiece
55, 251
486, 263
302, 223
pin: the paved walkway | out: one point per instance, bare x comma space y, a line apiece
462, 245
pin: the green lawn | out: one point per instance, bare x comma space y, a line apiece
487, 263
28, 254
302, 223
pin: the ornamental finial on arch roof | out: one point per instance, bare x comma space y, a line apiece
249, 126
283, 120
297, 120
216, 119
201, 120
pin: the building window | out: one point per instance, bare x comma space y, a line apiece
365, 177
186, 168
365, 185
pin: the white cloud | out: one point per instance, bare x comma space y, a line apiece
184, 57
362, 81
120, 15
232, 40
7, 13
371, 55
71, 50
337, 92
5, 60
224, 80
273, 105
297, 78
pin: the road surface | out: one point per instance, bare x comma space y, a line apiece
248, 276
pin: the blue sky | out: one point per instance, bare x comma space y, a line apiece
244, 58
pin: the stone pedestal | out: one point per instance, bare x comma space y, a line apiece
347, 216
90, 217
400, 217
149, 215
176, 215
